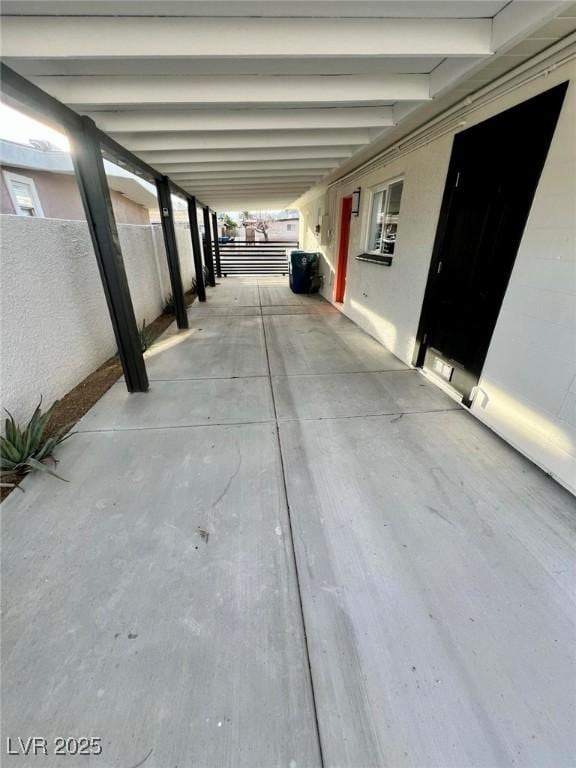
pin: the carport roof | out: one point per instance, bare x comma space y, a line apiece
245, 104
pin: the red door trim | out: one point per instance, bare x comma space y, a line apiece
343, 244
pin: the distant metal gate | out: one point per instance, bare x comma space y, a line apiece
241, 257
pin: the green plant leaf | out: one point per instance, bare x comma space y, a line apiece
7, 450
17, 442
10, 427
24, 449
45, 451
65, 433
34, 464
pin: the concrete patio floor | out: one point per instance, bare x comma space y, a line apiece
293, 551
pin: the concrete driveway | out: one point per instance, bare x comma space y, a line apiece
292, 551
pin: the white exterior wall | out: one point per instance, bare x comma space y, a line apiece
55, 328
144, 263
184, 243
527, 392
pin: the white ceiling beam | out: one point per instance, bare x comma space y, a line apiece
195, 185
198, 183
279, 175
247, 181
251, 193
215, 66
321, 165
259, 204
240, 202
513, 23
271, 8
450, 72
283, 189
326, 118
250, 190
89, 92
227, 191
294, 191
219, 201
234, 155
229, 140
250, 182
243, 179
118, 37
258, 200
518, 19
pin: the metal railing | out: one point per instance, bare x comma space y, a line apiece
245, 257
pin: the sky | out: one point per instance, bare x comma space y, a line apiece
15, 126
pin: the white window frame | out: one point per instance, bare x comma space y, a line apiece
9, 177
384, 187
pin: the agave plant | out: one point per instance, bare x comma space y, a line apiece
146, 336
23, 449
169, 307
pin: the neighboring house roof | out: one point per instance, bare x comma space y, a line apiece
57, 161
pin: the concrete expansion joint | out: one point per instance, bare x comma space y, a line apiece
292, 547
176, 426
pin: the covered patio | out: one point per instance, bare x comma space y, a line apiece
292, 551
286, 539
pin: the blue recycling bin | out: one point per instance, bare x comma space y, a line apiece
303, 269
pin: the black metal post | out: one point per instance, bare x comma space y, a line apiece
216, 244
196, 249
208, 247
167, 218
91, 176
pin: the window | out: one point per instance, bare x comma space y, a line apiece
384, 218
23, 194
290, 227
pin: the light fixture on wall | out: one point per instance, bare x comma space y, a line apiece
356, 202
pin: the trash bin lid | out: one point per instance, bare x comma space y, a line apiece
302, 258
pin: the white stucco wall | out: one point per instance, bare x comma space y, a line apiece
144, 263
386, 302
186, 258
184, 244
54, 323
527, 392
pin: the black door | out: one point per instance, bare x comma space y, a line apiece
493, 174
